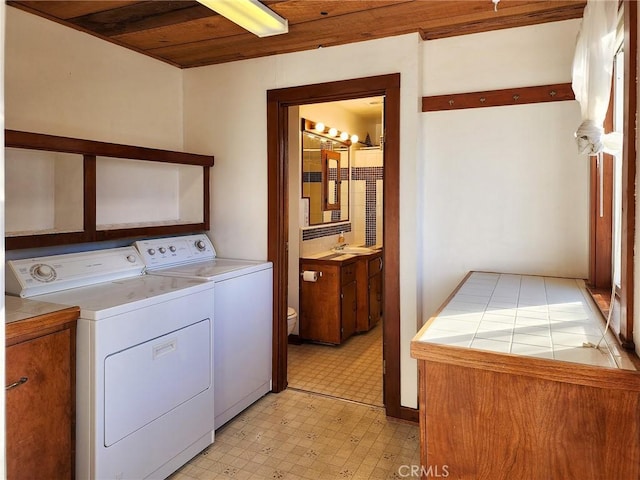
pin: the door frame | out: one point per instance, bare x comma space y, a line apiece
278, 102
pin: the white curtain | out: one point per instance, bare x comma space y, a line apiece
592, 72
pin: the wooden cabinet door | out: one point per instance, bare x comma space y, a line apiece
320, 305
40, 414
348, 310
375, 299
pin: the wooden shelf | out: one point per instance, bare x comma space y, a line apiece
89, 152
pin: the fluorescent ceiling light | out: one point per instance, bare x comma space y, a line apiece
250, 15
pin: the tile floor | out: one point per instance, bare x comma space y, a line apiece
352, 370
299, 435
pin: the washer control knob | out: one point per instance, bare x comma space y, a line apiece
162, 250
151, 251
172, 248
131, 258
200, 245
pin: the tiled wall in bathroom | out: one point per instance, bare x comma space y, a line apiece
366, 182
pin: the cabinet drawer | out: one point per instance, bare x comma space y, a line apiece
348, 273
375, 265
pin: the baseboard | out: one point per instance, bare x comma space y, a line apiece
409, 414
294, 339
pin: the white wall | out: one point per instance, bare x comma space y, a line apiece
504, 187
63, 82
225, 111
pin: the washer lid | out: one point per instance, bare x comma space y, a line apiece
216, 270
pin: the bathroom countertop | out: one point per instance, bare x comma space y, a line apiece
337, 256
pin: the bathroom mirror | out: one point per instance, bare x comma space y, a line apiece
325, 177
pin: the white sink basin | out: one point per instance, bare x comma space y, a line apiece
354, 250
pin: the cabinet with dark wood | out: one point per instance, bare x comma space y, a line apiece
40, 396
328, 306
369, 273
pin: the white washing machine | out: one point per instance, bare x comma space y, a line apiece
242, 309
144, 382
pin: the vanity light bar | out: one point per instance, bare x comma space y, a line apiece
320, 129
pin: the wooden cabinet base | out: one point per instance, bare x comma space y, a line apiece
486, 424
40, 397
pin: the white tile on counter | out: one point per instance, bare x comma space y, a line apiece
579, 328
540, 351
471, 298
509, 312
452, 325
445, 337
537, 340
523, 315
498, 318
461, 315
573, 339
538, 330
531, 322
589, 356
491, 345
464, 306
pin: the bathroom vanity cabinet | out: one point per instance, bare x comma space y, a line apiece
40, 390
328, 306
369, 281
345, 299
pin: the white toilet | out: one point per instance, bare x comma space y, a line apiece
292, 319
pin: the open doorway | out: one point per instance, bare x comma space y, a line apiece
278, 103
336, 321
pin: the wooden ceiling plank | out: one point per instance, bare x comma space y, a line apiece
143, 16
295, 11
502, 23
506, 11
186, 34
67, 10
374, 23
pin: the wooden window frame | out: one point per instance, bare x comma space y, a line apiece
600, 244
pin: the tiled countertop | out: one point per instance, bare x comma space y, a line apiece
17, 308
544, 317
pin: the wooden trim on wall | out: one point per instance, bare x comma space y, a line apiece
278, 102
498, 98
629, 172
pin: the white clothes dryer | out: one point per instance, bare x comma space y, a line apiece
243, 309
144, 382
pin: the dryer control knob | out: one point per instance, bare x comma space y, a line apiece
151, 251
131, 258
162, 250
172, 248
200, 245
43, 273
